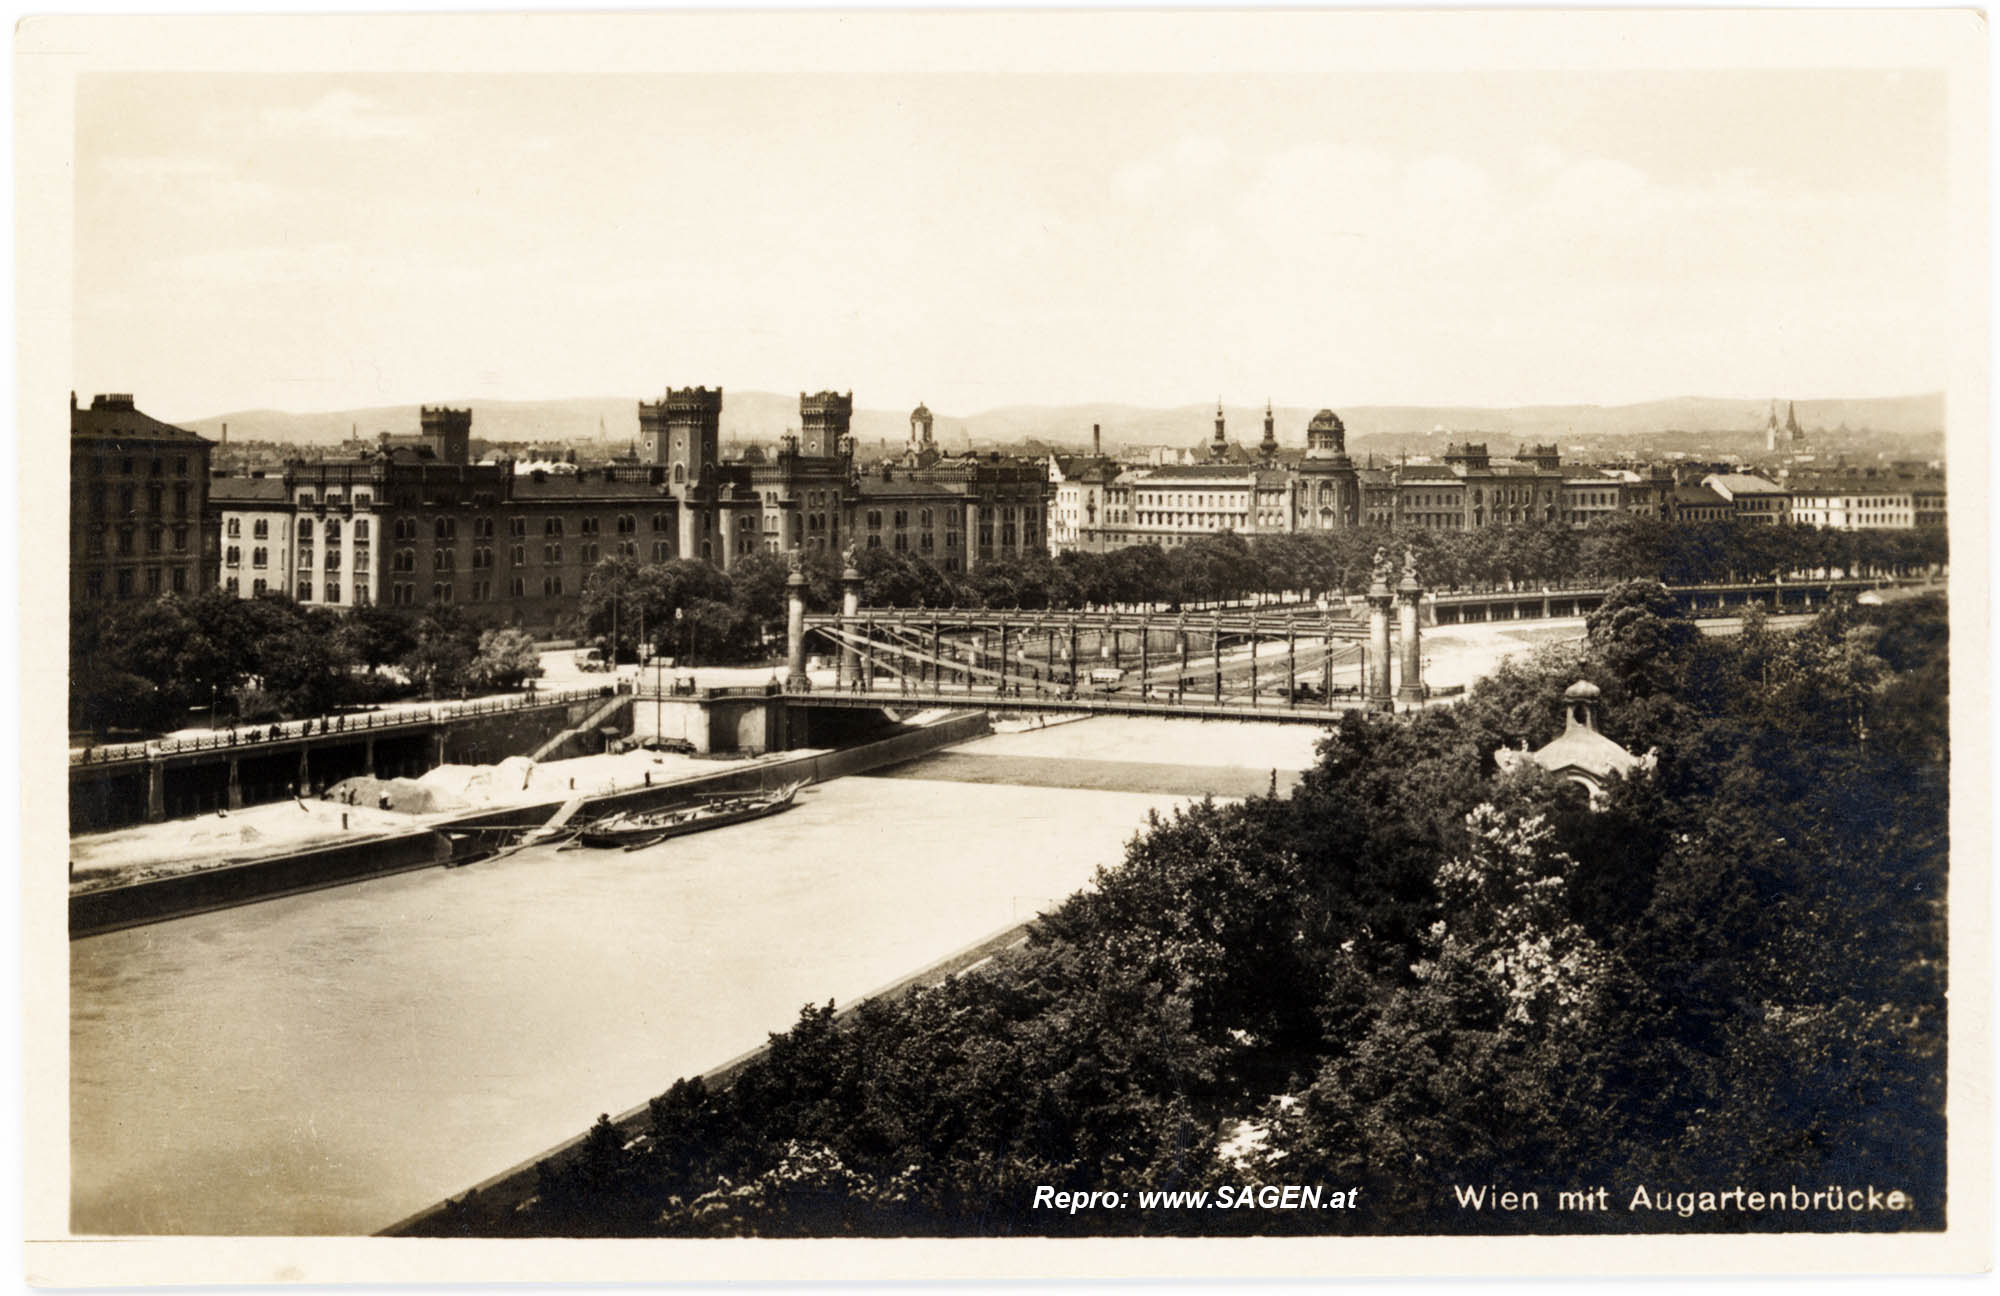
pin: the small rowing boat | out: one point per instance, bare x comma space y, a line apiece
636, 831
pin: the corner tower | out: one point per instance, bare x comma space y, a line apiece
447, 432
824, 420
682, 433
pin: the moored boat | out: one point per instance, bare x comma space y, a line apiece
632, 831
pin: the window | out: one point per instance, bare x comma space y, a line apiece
305, 591
874, 522
589, 552
482, 557
333, 532
588, 526
333, 560
446, 529
627, 524
659, 521
257, 556
551, 555
517, 588
125, 573
361, 530
333, 591
517, 527
441, 592
519, 555
362, 499
232, 557
552, 526
659, 551
180, 501
551, 586
228, 583
482, 528
360, 561
93, 543
443, 560
233, 528
306, 498
305, 529
482, 591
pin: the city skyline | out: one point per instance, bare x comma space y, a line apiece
977, 239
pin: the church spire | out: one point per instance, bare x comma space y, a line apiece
1268, 447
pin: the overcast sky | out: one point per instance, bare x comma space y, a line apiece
323, 242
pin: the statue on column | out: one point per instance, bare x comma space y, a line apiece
796, 562
1384, 570
1410, 565
847, 558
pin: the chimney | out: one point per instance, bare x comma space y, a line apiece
1096, 440
225, 434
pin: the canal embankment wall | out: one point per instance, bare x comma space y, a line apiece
315, 868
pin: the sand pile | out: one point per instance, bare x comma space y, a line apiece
405, 796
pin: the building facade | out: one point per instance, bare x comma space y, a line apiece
139, 522
413, 524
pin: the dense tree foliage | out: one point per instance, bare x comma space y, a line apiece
1413, 972
157, 664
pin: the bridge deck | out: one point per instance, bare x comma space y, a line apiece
1275, 711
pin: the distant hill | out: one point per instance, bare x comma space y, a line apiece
765, 416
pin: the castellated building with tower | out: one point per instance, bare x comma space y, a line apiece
413, 522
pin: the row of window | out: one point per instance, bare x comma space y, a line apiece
404, 593
94, 500
156, 537
128, 466
128, 582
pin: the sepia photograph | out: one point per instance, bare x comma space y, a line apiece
1324, 639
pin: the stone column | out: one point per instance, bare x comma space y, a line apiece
971, 535
1379, 602
236, 784
367, 757
850, 610
156, 787
796, 680
1408, 596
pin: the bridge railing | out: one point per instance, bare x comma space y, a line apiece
688, 690
250, 737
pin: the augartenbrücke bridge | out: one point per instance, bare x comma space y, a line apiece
1297, 663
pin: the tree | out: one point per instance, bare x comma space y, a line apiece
376, 635
1640, 633
505, 659
444, 648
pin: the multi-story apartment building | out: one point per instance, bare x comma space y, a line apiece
1751, 498
255, 517
138, 523
1861, 504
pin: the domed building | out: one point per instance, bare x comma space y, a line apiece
1329, 489
1581, 755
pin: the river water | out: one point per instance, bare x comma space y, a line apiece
332, 1062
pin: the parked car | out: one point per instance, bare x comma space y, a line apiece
591, 659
